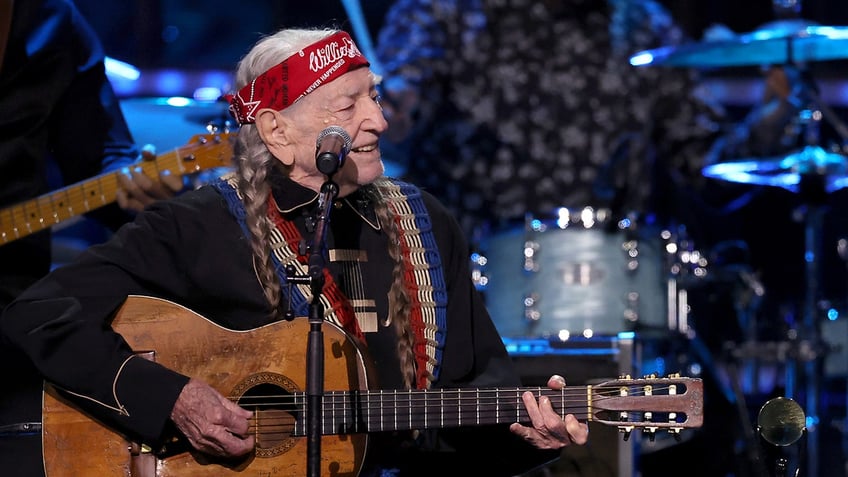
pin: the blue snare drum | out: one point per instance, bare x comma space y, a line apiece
583, 274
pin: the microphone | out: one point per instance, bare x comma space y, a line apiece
781, 423
331, 149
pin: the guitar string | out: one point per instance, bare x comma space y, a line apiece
265, 425
265, 421
482, 412
472, 394
268, 427
353, 271
344, 404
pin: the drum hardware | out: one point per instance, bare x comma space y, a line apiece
783, 42
478, 273
803, 355
813, 171
532, 313
813, 174
686, 267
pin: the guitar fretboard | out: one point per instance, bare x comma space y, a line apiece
45, 211
346, 412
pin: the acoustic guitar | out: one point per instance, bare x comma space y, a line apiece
204, 151
264, 370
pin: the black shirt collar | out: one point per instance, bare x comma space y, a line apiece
292, 197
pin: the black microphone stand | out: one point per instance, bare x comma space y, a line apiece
315, 341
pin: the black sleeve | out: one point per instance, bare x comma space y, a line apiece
62, 322
88, 132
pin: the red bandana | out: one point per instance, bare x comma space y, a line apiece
297, 76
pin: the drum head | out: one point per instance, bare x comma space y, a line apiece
584, 279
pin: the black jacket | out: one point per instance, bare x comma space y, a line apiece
192, 251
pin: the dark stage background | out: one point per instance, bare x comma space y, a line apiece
182, 45
213, 34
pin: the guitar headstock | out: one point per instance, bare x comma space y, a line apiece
207, 151
650, 403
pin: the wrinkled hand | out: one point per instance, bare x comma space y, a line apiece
138, 191
550, 430
212, 423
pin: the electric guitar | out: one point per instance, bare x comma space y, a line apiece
204, 151
264, 370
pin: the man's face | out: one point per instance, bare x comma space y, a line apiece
351, 103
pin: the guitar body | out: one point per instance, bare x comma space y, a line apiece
233, 362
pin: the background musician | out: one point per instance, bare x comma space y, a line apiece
61, 124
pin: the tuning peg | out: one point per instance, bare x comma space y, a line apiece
672, 391
675, 431
652, 433
649, 391
626, 431
674, 376
623, 391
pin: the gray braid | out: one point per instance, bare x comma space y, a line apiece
399, 302
254, 162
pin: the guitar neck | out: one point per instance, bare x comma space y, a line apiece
45, 211
346, 412
377, 411
50, 209
657, 403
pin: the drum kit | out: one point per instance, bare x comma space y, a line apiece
584, 273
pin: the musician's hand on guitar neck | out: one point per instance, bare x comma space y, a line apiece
138, 191
550, 430
212, 423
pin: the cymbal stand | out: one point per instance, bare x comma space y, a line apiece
791, 9
809, 348
817, 109
808, 362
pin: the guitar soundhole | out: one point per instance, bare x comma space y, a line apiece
275, 412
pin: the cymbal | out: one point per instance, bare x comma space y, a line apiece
785, 42
785, 172
169, 123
